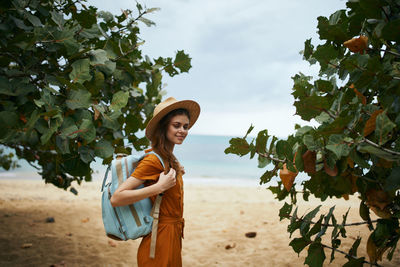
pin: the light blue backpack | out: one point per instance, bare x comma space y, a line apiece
131, 221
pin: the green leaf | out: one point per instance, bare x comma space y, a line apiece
182, 61
34, 20
365, 148
261, 141
110, 120
78, 99
326, 222
355, 262
103, 149
153, 9
146, 21
298, 244
108, 68
248, 131
119, 100
337, 145
305, 225
63, 145
8, 119
310, 107
68, 129
266, 177
91, 33
334, 29
315, 256
324, 86
308, 49
392, 182
238, 146
58, 18
309, 141
86, 154
384, 127
263, 161
284, 212
389, 32
98, 57
80, 71
353, 249
324, 54
87, 130
107, 16
47, 134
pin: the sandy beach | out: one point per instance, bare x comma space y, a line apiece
217, 219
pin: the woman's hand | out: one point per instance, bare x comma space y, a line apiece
166, 181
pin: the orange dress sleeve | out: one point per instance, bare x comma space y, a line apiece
149, 168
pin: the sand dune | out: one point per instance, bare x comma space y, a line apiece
217, 219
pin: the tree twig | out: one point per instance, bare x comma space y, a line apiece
381, 148
354, 257
395, 153
267, 155
331, 225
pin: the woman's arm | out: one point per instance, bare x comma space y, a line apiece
127, 194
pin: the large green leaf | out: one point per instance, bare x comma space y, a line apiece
379, 152
87, 130
391, 29
298, 244
182, 61
78, 99
68, 129
103, 149
261, 141
98, 57
119, 100
310, 107
384, 127
392, 182
315, 256
238, 146
338, 146
80, 71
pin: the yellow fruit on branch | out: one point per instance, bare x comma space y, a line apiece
357, 45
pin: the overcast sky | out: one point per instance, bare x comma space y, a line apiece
244, 53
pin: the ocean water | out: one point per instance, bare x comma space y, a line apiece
202, 156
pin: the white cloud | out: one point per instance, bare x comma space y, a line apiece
244, 55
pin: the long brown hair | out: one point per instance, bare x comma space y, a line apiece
159, 140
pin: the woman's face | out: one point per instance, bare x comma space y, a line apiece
178, 129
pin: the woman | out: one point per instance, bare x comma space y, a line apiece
169, 127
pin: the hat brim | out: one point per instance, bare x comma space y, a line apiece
191, 106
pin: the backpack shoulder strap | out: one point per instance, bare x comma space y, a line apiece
155, 213
158, 156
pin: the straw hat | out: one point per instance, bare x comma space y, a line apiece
168, 105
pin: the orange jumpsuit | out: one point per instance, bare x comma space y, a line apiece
170, 226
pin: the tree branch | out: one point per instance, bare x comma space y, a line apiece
331, 225
395, 153
354, 257
267, 155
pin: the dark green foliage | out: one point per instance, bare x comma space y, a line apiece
355, 147
74, 85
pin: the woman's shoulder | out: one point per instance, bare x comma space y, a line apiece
151, 159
